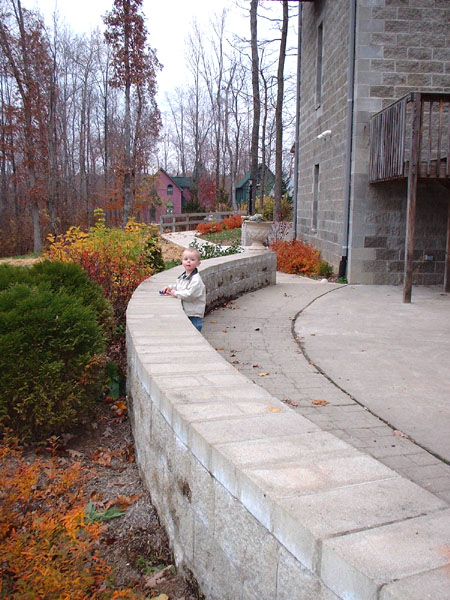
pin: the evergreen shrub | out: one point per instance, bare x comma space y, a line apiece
51, 361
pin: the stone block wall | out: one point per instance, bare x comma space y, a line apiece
401, 46
258, 502
316, 118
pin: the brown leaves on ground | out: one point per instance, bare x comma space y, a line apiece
133, 545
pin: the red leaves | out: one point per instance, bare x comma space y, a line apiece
296, 257
232, 222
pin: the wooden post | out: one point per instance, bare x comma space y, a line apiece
416, 134
447, 256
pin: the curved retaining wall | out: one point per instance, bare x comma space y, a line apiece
258, 502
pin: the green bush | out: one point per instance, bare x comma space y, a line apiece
153, 253
213, 250
62, 277
286, 208
324, 269
51, 361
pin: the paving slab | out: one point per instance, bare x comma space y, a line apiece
358, 564
290, 340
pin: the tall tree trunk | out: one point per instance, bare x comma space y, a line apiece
256, 102
263, 145
279, 117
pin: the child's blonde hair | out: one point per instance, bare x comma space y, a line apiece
193, 251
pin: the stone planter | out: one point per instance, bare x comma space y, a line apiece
258, 232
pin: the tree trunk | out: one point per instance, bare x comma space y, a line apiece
279, 117
256, 103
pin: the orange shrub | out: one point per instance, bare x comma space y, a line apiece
233, 222
117, 260
48, 546
296, 257
209, 227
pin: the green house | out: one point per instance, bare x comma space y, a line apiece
243, 186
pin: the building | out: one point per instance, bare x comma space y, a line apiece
168, 195
357, 58
243, 186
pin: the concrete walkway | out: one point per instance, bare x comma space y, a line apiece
354, 360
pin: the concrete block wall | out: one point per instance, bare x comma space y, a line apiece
401, 46
258, 502
329, 114
396, 54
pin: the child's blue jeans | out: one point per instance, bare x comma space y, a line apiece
197, 322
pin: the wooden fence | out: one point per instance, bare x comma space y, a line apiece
189, 221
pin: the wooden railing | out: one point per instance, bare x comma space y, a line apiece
188, 221
393, 139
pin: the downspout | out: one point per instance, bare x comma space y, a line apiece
297, 121
349, 139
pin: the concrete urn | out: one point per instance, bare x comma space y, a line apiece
258, 232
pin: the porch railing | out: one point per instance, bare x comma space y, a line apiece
393, 139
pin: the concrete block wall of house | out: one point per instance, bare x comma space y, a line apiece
400, 46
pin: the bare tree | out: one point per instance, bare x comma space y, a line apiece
28, 63
256, 99
279, 116
134, 63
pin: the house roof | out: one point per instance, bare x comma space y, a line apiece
246, 177
182, 182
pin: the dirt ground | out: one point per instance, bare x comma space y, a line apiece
135, 544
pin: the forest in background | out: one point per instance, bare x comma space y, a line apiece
80, 127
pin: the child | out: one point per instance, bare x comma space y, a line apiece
190, 288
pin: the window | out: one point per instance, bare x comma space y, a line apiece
319, 65
315, 205
170, 190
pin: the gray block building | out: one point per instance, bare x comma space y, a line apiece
374, 138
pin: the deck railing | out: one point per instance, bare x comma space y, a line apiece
393, 138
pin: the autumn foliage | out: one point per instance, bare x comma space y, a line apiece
48, 546
232, 222
296, 257
117, 260
209, 227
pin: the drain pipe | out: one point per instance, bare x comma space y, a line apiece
349, 139
297, 121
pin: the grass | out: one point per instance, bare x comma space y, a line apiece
223, 238
23, 256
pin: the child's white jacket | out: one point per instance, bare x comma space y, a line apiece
192, 292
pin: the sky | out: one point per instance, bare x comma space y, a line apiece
167, 21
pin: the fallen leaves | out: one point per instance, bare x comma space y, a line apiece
104, 457
400, 433
155, 579
320, 402
293, 403
263, 374
274, 409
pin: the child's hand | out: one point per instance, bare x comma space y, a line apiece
165, 291
172, 292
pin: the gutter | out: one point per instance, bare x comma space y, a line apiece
349, 139
297, 122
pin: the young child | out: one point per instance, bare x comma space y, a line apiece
190, 288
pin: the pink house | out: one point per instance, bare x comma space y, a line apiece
171, 193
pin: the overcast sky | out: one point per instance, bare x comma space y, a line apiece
168, 22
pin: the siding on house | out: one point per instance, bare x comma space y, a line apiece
163, 185
401, 46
